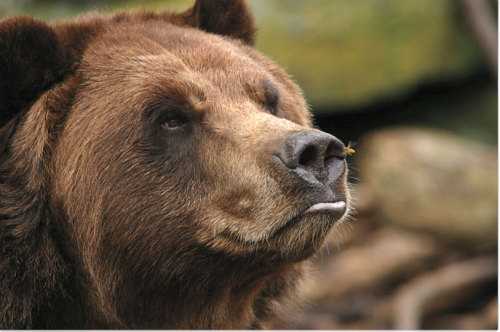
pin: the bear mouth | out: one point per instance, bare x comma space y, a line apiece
334, 210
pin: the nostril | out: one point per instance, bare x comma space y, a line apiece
309, 156
335, 150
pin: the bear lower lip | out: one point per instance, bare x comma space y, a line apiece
336, 208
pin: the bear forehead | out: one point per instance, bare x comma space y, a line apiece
160, 52
137, 64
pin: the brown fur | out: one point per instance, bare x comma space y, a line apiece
105, 221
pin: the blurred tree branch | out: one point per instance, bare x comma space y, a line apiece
439, 288
482, 23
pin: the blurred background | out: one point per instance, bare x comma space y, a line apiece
413, 86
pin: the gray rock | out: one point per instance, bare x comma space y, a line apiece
432, 181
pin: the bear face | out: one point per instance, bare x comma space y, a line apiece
170, 172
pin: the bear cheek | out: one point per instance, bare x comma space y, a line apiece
243, 195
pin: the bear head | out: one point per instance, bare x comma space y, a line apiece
155, 171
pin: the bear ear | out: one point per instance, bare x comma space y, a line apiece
224, 17
31, 60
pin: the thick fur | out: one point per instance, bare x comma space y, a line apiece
106, 223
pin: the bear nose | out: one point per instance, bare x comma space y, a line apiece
314, 155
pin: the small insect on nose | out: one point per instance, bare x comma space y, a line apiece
314, 153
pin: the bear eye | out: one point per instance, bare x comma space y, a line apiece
271, 95
272, 108
173, 121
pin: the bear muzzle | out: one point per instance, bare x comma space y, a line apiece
316, 162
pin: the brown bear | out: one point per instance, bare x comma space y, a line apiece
156, 171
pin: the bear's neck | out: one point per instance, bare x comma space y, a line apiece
237, 298
207, 291
200, 290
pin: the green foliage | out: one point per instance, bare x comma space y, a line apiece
351, 52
